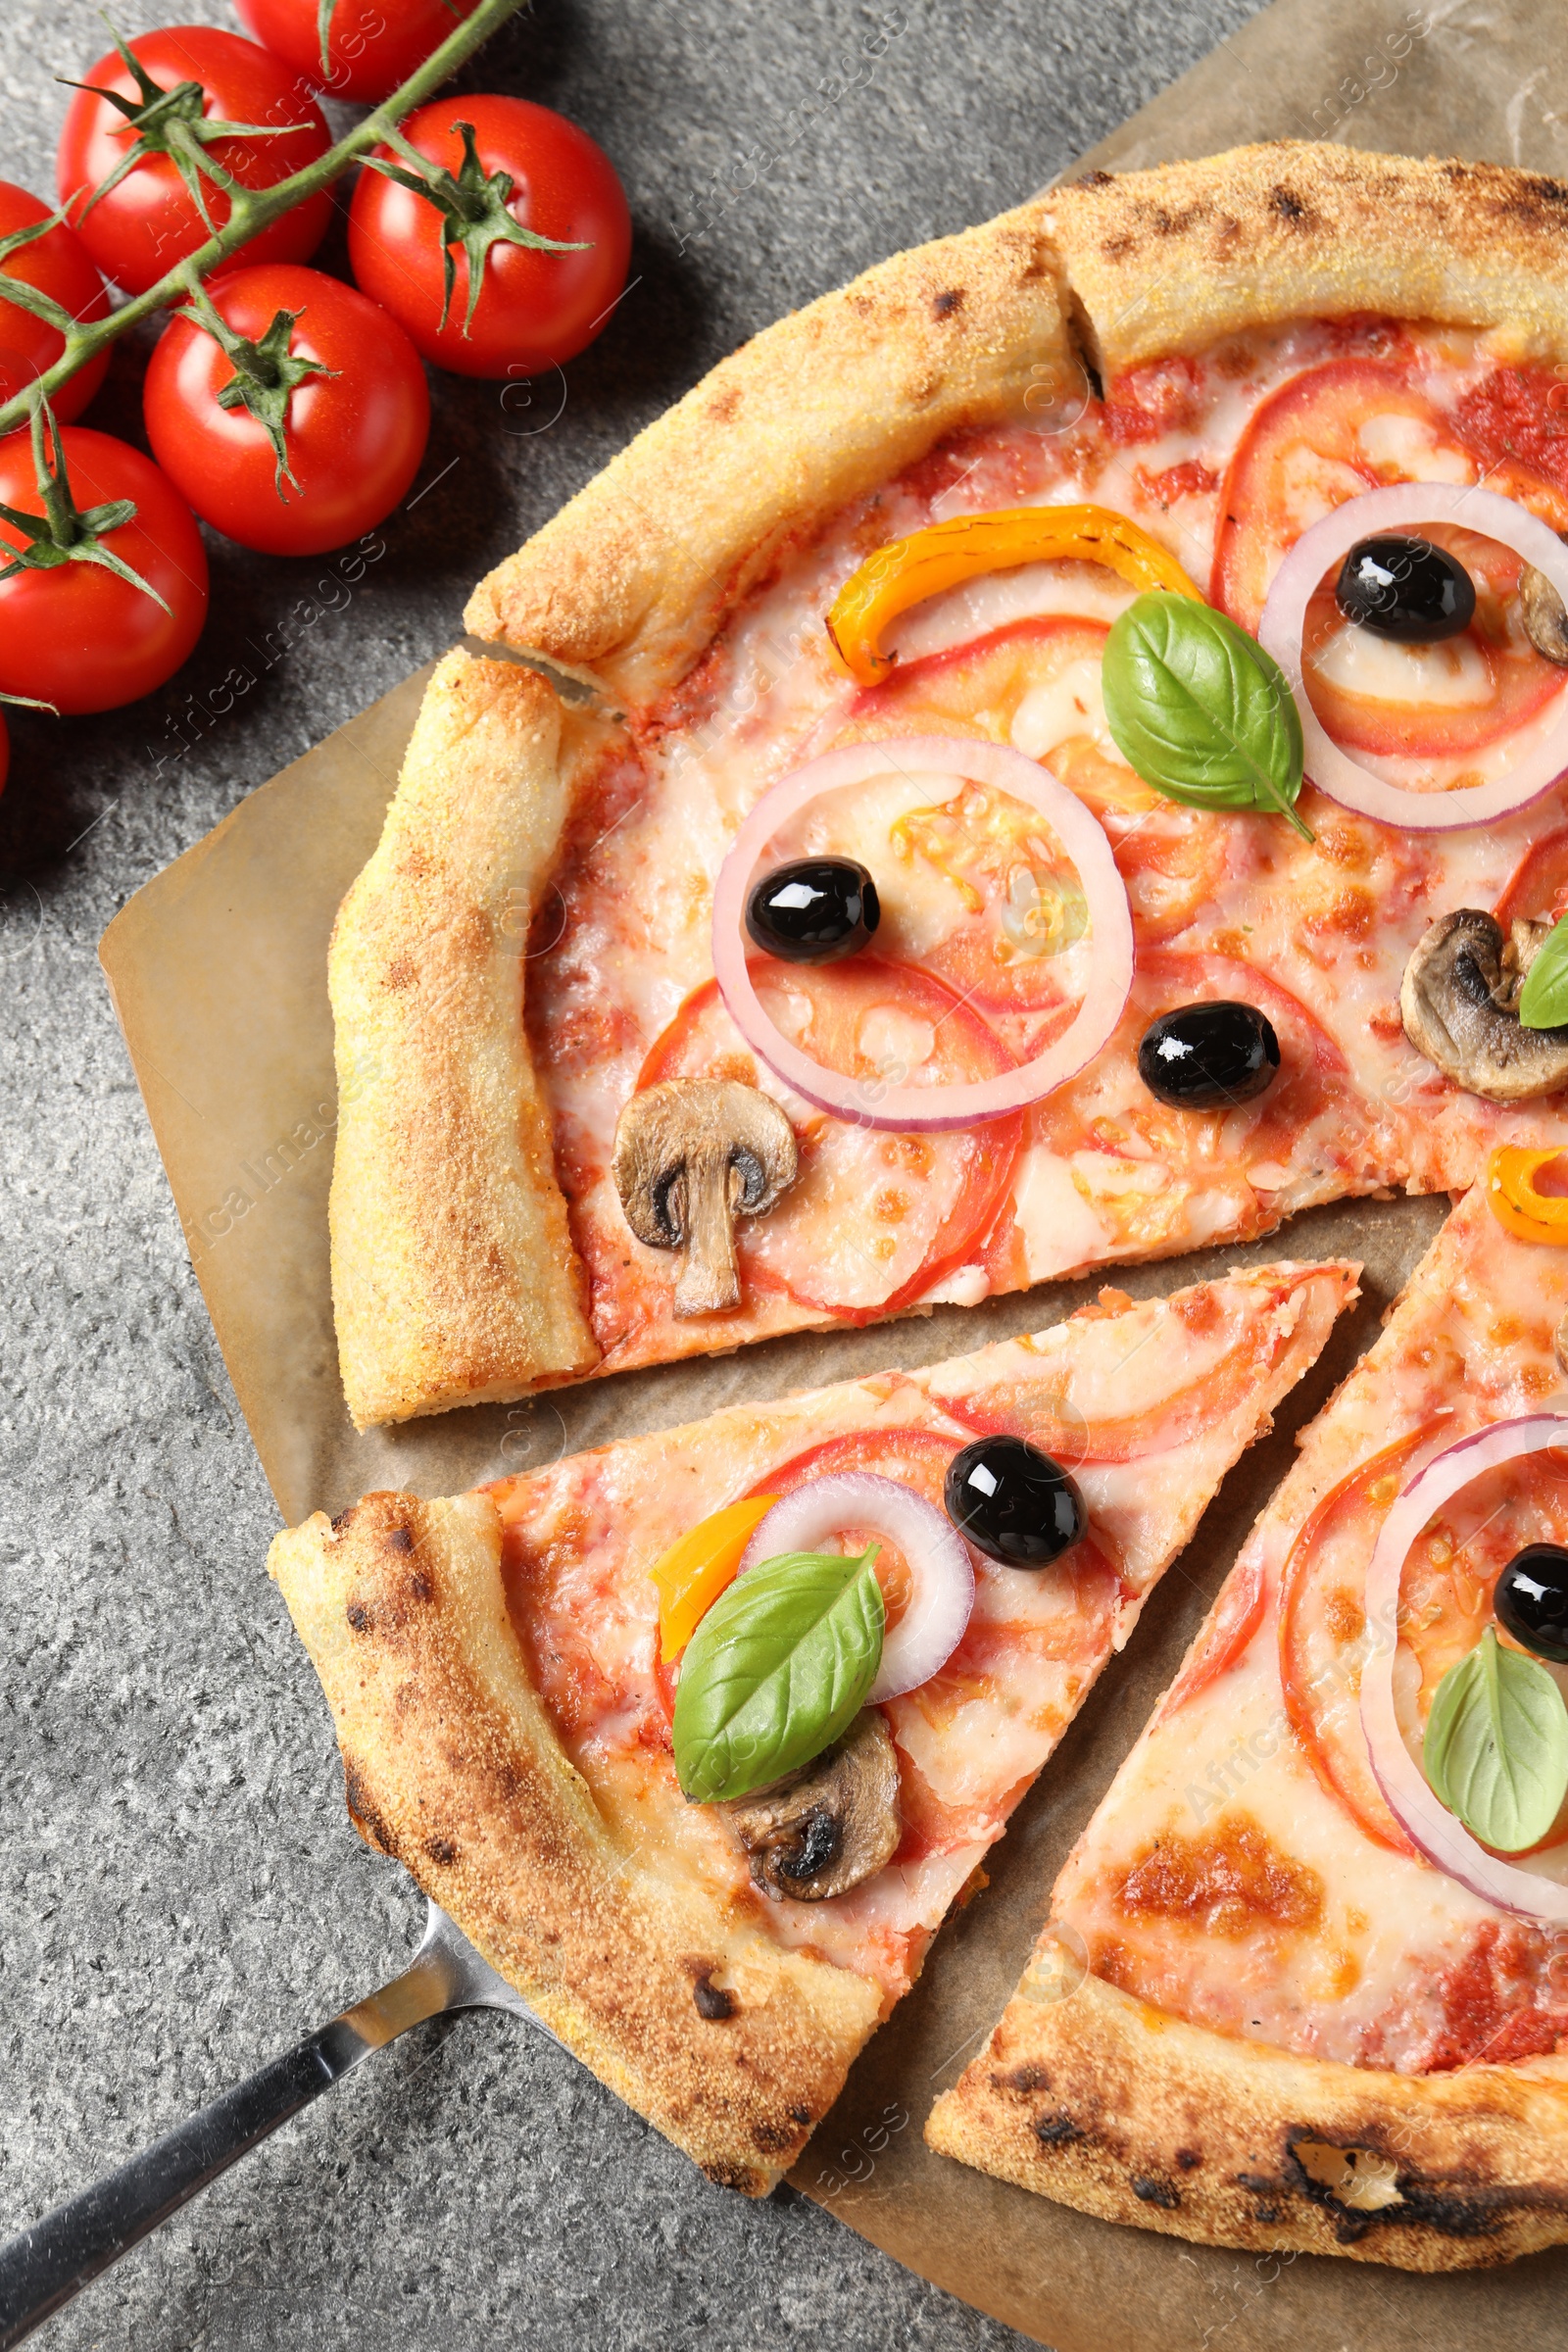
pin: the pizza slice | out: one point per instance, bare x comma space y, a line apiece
780, 922
706, 1822
1323, 1909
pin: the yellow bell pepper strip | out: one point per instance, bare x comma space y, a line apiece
908, 570
698, 1566
1514, 1201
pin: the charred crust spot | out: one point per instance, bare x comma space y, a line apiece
362, 1810
722, 407
1149, 2191
1025, 2079
712, 2001
1056, 2131
1539, 203
774, 2139
1187, 2159
358, 1616
342, 1520
400, 973
799, 2115
442, 1850
421, 1585
1288, 205
1177, 225
944, 305
1454, 2209
1096, 179
732, 2175
1117, 248
398, 1539
1259, 2184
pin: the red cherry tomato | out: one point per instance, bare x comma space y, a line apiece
75, 634
372, 50
60, 266
535, 308
149, 222
353, 438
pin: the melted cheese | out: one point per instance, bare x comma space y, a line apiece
1366, 1955
1451, 676
1224, 902
582, 1535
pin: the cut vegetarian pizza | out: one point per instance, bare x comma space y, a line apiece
1305, 1983
1049, 756
700, 1736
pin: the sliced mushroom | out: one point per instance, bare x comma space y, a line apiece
1459, 1003
690, 1157
1542, 610
820, 1830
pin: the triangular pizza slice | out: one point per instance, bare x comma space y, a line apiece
1306, 1981
520, 1705
875, 804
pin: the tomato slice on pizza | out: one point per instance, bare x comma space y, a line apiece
1305, 1983
715, 1919
604, 1106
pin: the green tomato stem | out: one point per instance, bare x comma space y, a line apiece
254, 210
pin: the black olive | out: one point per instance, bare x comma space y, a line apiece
813, 910
1207, 1057
1014, 1502
1531, 1600
1406, 589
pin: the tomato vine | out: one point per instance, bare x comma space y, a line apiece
251, 210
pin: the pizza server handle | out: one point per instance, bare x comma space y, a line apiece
44, 2267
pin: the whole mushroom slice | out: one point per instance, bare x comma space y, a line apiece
1459, 1003
820, 1830
690, 1157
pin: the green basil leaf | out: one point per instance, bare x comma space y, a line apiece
1544, 998
776, 1670
1497, 1745
1200, 710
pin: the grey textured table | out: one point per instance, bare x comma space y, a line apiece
180, 1892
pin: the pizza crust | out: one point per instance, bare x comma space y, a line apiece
1105, 2104
633, 578
453, 1279
451, 1766
1175, 257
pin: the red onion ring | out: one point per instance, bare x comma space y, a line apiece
1280, 633
1438, 1835
928, 1108
932, 1625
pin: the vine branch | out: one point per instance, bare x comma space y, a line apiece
253, 210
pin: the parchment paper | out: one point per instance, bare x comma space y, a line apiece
218, 973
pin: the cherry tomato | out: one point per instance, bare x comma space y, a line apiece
75, 634
149, 222
535, 308
373, 50
60, 266
353, 438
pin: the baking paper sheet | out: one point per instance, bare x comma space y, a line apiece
218, 970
